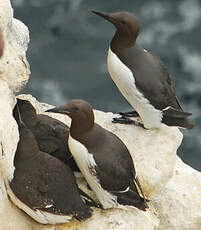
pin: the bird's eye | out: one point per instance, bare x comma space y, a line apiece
75, 109
123, 22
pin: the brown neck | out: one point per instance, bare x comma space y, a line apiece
81, 125
121, 41
28, 116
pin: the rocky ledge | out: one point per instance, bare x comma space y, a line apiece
172, 186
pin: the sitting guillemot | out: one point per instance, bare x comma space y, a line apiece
141, 78
51, 134
43, 186
102, 157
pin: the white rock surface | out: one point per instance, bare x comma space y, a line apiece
8, 131
178, 204
14, 68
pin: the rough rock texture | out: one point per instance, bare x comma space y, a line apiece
178, 204
172, 186
14, 68
8, 131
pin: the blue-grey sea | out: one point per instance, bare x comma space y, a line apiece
69, 44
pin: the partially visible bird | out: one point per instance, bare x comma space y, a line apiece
51, 134
102, 157
142, 78
43, 186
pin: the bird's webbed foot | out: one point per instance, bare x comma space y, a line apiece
126, 121
129, 114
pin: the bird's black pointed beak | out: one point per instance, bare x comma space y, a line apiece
58, 110
108, 17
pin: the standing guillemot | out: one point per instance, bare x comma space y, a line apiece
102, 157
51, 134
141, 78
43, 186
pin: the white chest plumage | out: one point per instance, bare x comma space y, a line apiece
125, 81
87, 164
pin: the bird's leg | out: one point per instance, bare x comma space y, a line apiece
127, 121
129, 114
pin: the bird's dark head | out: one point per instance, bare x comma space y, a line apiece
28, 112
127, 24
80, 112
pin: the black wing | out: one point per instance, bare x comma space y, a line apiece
115, 167
151, 77
45, 183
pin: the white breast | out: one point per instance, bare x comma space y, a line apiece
125, 81
87, 164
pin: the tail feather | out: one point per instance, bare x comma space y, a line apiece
175, 117
132, 197
174, 113
179, 122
